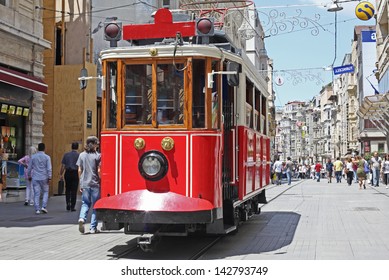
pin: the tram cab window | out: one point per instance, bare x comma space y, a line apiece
170, 94
198, 94
138, 94
112, 98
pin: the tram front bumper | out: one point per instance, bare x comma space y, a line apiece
143, 206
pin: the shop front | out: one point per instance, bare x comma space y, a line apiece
19, 93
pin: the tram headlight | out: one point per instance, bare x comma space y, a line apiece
153, 165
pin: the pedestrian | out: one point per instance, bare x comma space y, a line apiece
349, 171
385, 170
338, 167
307, 171
69, 172
272, 174
24, 161
360, 162
376, 168
355, 167
289, 165
302, 171
1, 174
313, 172
277, 169
89, 172
318, 168
39, 171
329, 168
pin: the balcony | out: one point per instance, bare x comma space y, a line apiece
352, 90
333, 97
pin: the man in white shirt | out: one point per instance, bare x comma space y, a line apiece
277, 168
375, 168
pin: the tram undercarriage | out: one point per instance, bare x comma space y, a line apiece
151, 225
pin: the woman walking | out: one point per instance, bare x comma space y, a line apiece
24, 161
361, 174
385, 170
349, 171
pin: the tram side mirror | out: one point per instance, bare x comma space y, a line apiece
83, 81
233, 79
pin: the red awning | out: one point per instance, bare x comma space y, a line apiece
21, 80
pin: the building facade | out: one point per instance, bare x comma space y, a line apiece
23, 88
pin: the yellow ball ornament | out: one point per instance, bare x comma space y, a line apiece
364, 10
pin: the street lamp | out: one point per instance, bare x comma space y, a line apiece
334, 7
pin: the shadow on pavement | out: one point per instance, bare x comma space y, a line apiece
267, 232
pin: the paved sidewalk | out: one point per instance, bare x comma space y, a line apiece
314, 221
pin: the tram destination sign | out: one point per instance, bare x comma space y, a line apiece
343, 69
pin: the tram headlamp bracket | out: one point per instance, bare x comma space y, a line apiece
84, 79
210, 76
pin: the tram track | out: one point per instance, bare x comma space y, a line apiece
172, 248
185, 248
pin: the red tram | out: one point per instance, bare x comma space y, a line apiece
184, 139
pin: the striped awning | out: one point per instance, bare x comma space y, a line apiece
22, 80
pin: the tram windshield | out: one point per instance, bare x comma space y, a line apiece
159, 93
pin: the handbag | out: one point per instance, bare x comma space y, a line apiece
61, 186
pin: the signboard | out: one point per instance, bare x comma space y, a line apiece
369, 36
89, 119
343, 69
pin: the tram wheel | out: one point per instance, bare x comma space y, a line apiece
256, 208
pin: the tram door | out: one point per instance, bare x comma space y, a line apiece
230, 190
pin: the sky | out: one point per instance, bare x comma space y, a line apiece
301, 54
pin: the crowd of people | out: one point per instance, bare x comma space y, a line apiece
77, 169
358, 169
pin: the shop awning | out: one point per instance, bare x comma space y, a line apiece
22, 80
376, 109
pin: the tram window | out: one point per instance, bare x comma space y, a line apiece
249, 104
264, 116
198, 94
112, 98
170, 94
215, 97
138, 99
257, 110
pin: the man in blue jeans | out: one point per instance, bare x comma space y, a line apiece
318, 168
89, 172
376, 162
289, 168
39, 172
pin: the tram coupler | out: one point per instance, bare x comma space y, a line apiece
145, 239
